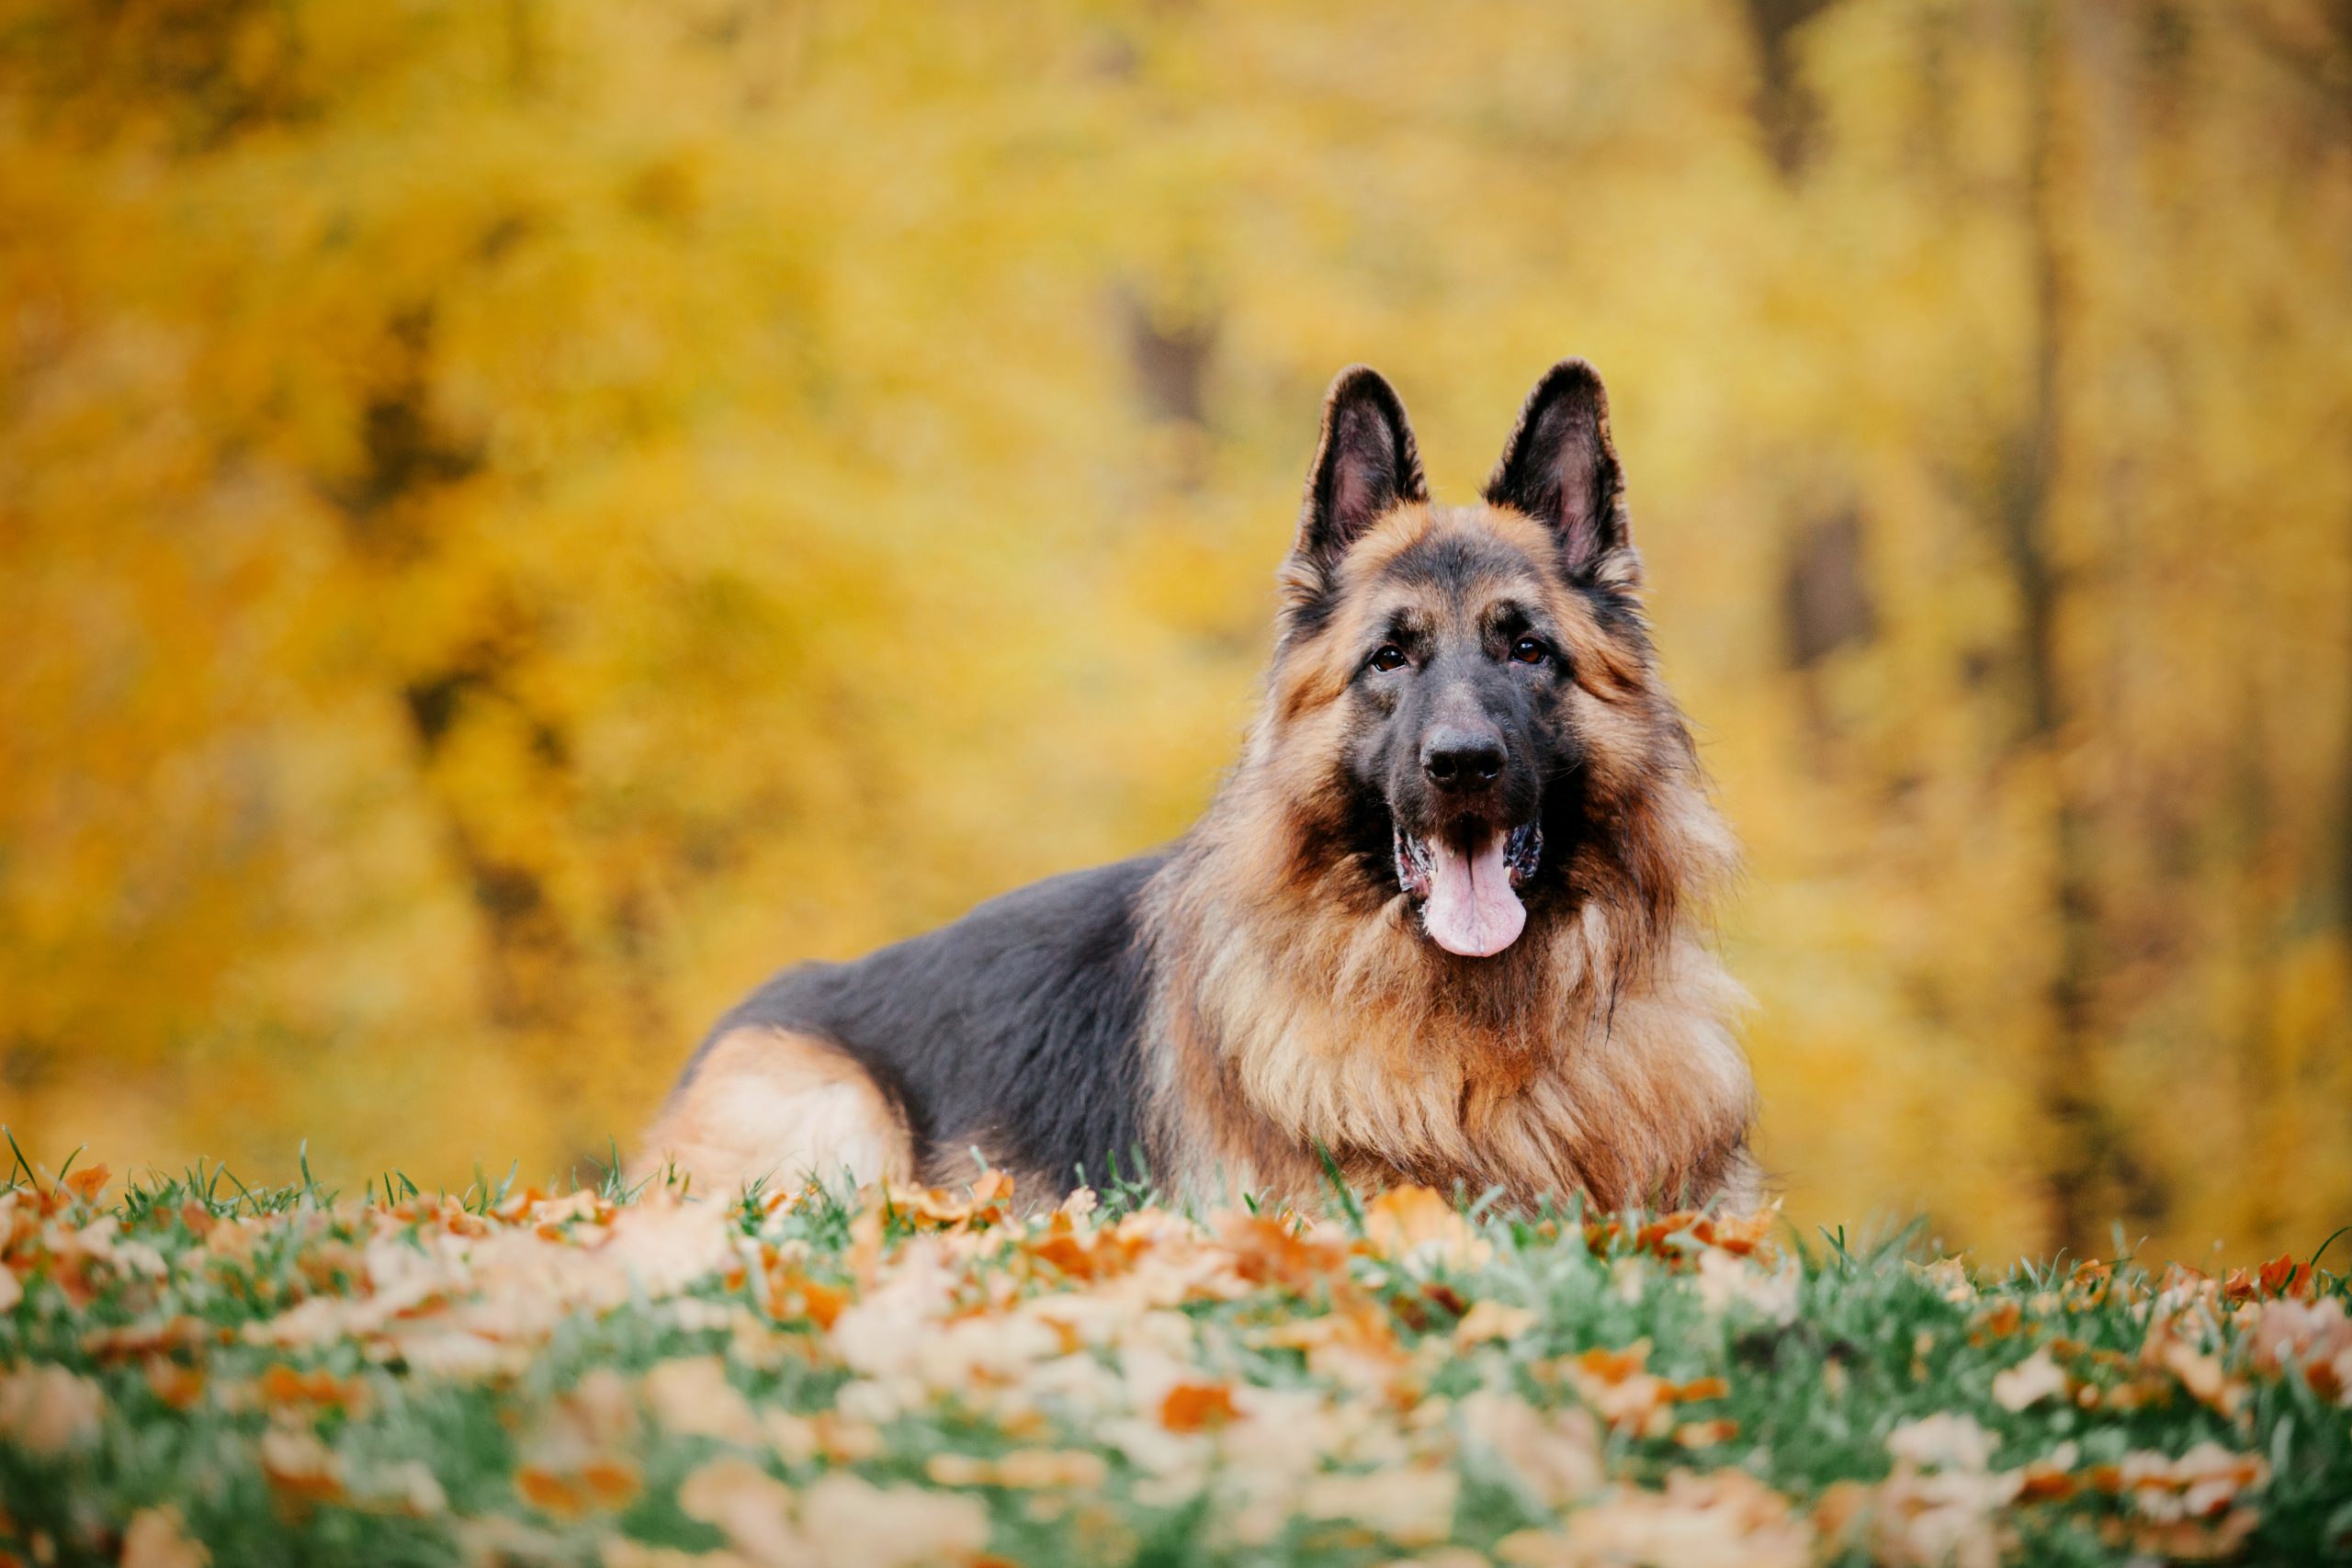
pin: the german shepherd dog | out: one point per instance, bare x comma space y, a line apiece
1440, 924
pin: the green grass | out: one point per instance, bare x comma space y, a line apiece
191, 1367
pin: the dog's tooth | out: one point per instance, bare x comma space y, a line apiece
1525, 852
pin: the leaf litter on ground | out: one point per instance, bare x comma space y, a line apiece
196, 1372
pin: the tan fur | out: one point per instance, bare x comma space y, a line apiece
1296, 1005
1300, 1007
770, 1103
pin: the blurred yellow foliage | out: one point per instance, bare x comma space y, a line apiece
516, 519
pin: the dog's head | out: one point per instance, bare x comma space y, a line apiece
1465, 695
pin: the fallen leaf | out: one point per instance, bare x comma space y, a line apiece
49, 1410
1194, 1406
2030, 1380
156, 1538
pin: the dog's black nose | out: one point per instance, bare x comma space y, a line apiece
1458, 759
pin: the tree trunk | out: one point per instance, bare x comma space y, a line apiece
2081, 1135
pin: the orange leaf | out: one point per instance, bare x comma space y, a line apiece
1706, 1434
550, 1493
1615, 1366
2001, 1321
1197, 1406
177, 1386
796, 1295
2043, 1483
301, 1468
1406, 1219
993, 1186
2281, 1276
611, 1481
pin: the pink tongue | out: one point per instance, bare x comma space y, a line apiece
1472, 910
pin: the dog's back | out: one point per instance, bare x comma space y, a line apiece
1015, 1030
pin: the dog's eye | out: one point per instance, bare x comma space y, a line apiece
1527, 650
1389, 657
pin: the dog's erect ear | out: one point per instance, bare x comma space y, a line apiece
1365, 463
1559, 468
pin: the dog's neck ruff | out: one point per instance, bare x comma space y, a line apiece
1594, 1055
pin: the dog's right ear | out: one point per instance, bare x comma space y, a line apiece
1365, 463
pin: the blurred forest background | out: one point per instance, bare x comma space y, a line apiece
518, 518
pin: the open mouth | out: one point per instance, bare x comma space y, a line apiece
1468, 885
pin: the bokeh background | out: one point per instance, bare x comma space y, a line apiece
517, 518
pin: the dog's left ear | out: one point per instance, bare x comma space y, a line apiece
1559, 468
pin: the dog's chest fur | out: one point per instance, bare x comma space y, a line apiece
1276, 1046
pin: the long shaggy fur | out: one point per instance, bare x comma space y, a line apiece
1264, 993
1302, 1008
